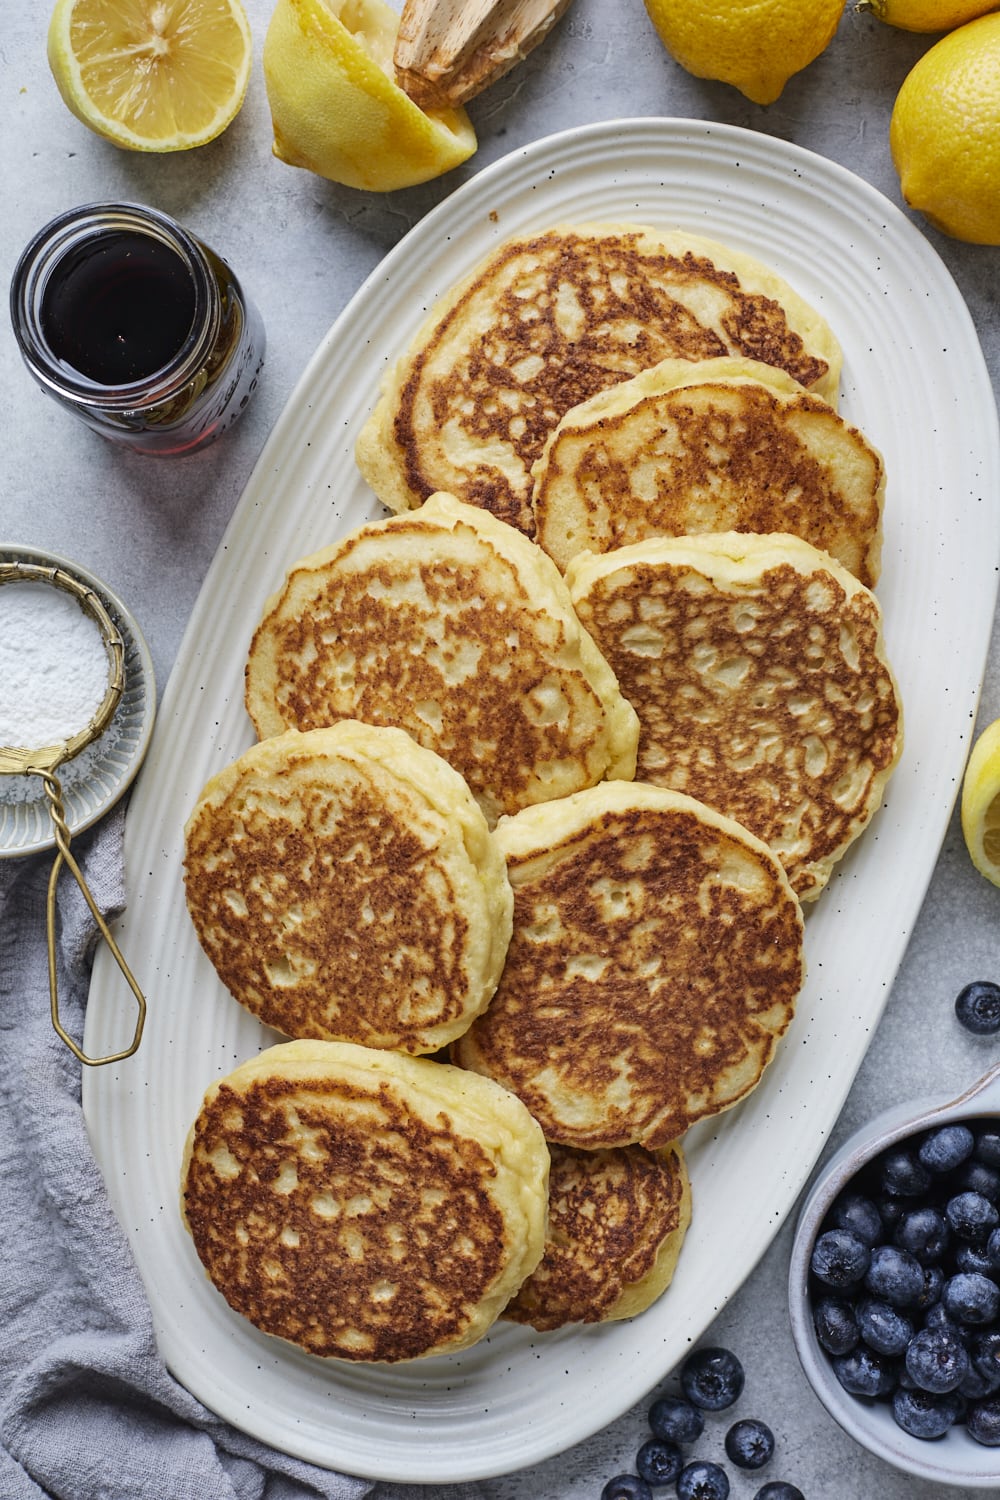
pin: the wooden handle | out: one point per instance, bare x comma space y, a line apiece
447, 51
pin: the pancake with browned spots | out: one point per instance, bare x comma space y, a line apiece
345, 884
617, 1221
451, 625
362, 1204
758, 669
550, 319
655, 962
723, 445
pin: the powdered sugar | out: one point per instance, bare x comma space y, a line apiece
53, 666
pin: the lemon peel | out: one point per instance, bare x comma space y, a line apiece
337, 111
944, 133
927, 15
151, 75
755, 45
981, 803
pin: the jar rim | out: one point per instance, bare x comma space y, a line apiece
46, 251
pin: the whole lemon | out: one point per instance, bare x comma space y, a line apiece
756, 45
944, 134
336, 109
928, 15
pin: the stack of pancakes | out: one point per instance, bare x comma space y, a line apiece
548, 761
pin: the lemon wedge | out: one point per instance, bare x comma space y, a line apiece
336, 109
152, 75
981, 803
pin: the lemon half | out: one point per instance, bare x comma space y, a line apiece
152, 75
335, 106
981, 803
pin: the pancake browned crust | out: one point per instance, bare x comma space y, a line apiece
617, 1221
362, 1204
344, 884
655, 961
758, 670
453, 626
723, 445
548, 320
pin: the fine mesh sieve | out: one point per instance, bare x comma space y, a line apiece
43, 761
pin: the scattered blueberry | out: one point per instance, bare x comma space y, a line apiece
626, 1487
923, 1414
777, 1489
971, 1298
660, 1462
702, 1481
977, 1007
840, 1258
937, 1360
982, 1422
946, 1148
675, 1421
895, 1275
749, 1443
883, 1328
836, 1325
712, 1379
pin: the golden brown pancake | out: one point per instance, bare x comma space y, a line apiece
345, 884
453, 626
617, 1221
362, 1204
548, 320
722, 445
758, 670
655, 962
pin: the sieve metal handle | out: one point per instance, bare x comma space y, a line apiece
53, 792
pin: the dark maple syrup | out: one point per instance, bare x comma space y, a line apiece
118, 308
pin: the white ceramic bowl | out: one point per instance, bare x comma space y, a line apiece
956, 1458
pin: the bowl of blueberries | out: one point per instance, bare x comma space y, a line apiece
894, 1287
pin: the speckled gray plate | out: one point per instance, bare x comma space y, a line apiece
92, 781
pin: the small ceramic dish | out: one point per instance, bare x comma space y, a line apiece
956, 1458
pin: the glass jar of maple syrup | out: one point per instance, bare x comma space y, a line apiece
136, 327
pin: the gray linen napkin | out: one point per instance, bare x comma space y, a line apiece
88, 1411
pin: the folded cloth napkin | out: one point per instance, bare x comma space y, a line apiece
88, 1410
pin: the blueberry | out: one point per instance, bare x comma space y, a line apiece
840, 1258
984, 1348
749, 1444
931, 1293
836, 1325
924, 1415
974, 1258
977, 1177
987, 1148
895, 1276
982, 1422
924, 1232
675, 1421
659, 1462
712, 1378
777, 1489
626, 1487
890, 1211
993, 1246
938, 1316
977, 1007
865, 1373
855, 1211
976, 1386
971, 1298
702, 1481
903, 1175
936, 1360
883, 1328
946, 1148
971, 1217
